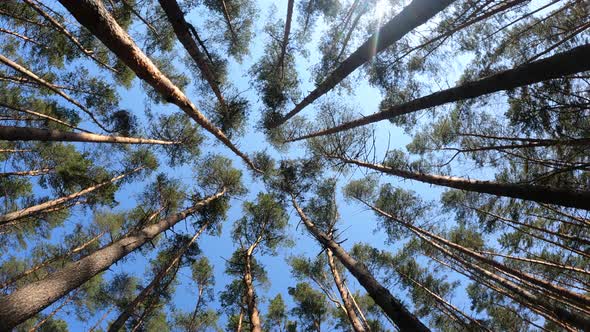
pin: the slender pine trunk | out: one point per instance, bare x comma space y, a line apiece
412, 16
281, 63
54, 203
125, 314
10, 133
255, 323
558, 65
344, 294
538, 193
392, 307
34, 297
34, 172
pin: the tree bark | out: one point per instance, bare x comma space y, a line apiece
55, 311
285, 42
344, 294
125, 314
53, 203
412, 16
95, 17
558, 65
392, 307
256, 325
537, 193
228, 21
34, 297
181, 29
34, 172
10, 133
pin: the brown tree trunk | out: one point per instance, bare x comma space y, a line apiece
95, 17
240, 320
412, 16
281, 63
125, 314
392, 307
181, 29
34, 297
255, 324
558, 65
10, 133
35, 172
228, 21
538, 193
51, 260
53, 203
346, 297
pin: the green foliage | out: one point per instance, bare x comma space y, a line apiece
217, 173
311, 306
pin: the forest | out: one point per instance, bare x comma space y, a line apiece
298, 165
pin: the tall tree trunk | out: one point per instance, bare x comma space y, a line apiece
538, 193
255, 324
34, 297
182, 31
281, 63
44, 116
412, 16
569, 296
392, 307
96, 18
558, 65
59, 27
51, 260
529, 298
34, 172
125, 314
53, 203
51, 87
344, 294
10, 133
227, 18
240, 320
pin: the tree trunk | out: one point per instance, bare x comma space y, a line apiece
256, 325
227, 18
44, 116
27, 301
181, 29
575, 298
412, 16
10, 133
96, 18
51, 260
346, 297
558, 65
25, 38
35, 172
281, 63
240, 320
55, 311
51, 87
538, 193
53, 203
392, 307
119, 323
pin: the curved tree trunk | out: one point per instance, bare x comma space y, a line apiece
344, 294
181, 29
256, 325
412, 16
119, 323
96, 18
10, 133
538, 193
53, 203
558, 65
27, 301
392, 307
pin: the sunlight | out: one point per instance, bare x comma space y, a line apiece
380, 9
